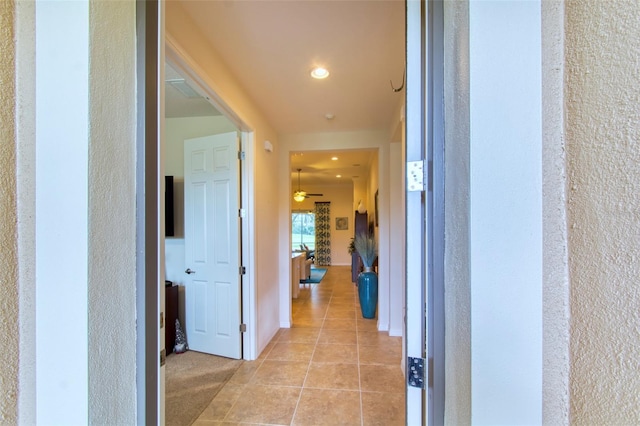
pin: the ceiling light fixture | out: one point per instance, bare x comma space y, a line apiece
338, 176
300, 195
334, 158
319, 73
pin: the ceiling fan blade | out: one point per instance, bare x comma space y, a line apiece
315, 195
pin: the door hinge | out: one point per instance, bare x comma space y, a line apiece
163, 357
243, 328
415, 372
243, 270
415, 176
161, 319
241, 155
242, 212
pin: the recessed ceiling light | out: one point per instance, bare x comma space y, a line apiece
319, 73
334, 158
338, 176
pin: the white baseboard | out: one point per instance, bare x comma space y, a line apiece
383, 326
395, 332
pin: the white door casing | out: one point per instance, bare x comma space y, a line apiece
417, 410
212, 245
425, 213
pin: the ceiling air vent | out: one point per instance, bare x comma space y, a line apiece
181, 86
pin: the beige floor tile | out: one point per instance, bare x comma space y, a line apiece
346, 293
328, 407
381, 354
338, 337
349, 313
291, 352
307, 322
245, 372
281, 373
381, 378
265, 404
341, 302
332, 352
383, 409
339, 354
298, 335
316, 304
307, 313
366, 324
339, 324
204, 422
223, 423
267, 349
222, 403
332, 376
374, 338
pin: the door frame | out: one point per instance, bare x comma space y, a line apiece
153, 48
284, 178
148, 25
425, 209
192, 73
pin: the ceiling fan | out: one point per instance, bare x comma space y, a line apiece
300, 195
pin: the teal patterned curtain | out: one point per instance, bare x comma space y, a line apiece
323, 234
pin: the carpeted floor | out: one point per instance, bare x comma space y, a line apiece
192, 381
316, 276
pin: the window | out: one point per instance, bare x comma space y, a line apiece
303, 230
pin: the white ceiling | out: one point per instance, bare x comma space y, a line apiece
317, 167
271, 46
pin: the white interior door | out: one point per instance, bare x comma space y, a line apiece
212, 248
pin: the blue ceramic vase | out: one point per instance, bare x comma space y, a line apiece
368, 293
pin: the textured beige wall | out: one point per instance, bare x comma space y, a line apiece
603, 165
8, 219
26, 117
112, 233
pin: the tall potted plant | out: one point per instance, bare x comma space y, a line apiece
365, 245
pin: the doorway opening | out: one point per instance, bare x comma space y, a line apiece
199, 114
347, 179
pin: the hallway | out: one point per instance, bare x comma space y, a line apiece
332, 367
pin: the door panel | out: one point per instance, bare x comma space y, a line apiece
212, 247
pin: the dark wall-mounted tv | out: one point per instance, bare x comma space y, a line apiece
169, 229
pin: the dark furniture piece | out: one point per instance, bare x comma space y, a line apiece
360, 226
170, 314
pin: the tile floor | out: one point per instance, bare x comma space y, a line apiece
331, 368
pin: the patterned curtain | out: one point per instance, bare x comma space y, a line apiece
323, 234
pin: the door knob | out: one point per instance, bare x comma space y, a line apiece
189, 271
